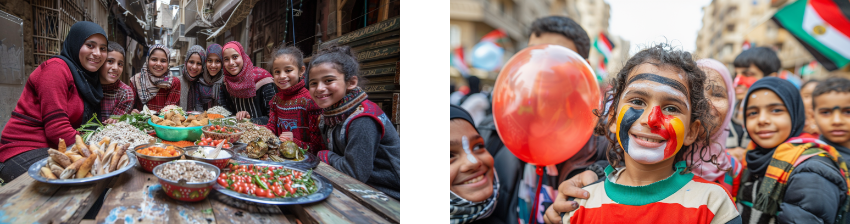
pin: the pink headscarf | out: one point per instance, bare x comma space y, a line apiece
249, 79
707, 170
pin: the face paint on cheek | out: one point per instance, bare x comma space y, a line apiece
465, 144
668, 127
625, 119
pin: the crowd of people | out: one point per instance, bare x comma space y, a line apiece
320, 106
679, 140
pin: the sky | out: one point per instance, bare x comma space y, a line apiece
647, 21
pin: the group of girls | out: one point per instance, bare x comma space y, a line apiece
320, 107
667, 157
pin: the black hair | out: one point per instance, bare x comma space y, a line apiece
113, 46
343, 59
763, 58
565, 27
292, 51
474, 84
835, 84
811, 81
663, 55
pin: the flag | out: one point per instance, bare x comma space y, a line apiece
458, 62
822, 27
746, 45
496, 36
601, 72
808, 69
604, 46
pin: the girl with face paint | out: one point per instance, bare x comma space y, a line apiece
60, 95
154, 86
658, 118
782, 169
473, 188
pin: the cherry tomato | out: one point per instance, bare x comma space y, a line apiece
290, 189
222, 182
260, 192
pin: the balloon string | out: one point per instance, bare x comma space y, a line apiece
536, 195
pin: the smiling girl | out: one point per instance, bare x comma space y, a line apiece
361, 141
61, 94
788, 179
192, 69
117, 96
154, 86
248, 89
209, 85
293, 115
474, 187
658, 115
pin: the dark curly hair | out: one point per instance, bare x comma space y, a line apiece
765, 59
662, 55
343, 59
565, 27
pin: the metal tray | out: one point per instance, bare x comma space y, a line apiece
35, 172
324, 190
310, 161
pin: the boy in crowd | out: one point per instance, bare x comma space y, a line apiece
831, 107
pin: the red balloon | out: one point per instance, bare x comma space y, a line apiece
543, 104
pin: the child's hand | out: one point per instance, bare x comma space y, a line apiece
242, 115
569, 188
135, 111
286, 136
110, 121
737, 152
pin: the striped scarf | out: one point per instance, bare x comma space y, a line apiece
465, 211
787, 156
339, 111
148, 85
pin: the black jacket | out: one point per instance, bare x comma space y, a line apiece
815, 193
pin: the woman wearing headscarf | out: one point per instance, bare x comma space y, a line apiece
192, 70
210, 84
154, 86
60, 95
248, 89
721, 93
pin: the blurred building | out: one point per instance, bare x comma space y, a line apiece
730, 26
472, 19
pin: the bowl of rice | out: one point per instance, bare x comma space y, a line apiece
187, 180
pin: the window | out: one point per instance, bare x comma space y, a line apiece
455, 36
730, 28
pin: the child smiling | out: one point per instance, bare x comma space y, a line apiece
658, 112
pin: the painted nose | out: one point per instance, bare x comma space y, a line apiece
656, 118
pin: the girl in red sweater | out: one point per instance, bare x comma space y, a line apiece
154, 86
61, 94
292, 113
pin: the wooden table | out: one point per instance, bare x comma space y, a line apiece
136, 197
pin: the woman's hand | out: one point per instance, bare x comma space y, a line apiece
569, 188
286, 136
242, 115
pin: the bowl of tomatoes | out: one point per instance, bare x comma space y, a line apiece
151, 155
230, 133
208, 141
273, 184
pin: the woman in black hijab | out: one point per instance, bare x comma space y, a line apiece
59, 96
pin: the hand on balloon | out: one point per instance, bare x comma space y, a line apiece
569, 188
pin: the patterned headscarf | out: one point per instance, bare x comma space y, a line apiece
146, 83
249, 79
210, 85
195, 49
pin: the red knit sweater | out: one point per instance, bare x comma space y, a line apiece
164, 97
293, 110
49, 102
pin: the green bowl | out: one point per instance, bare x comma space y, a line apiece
176, 134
